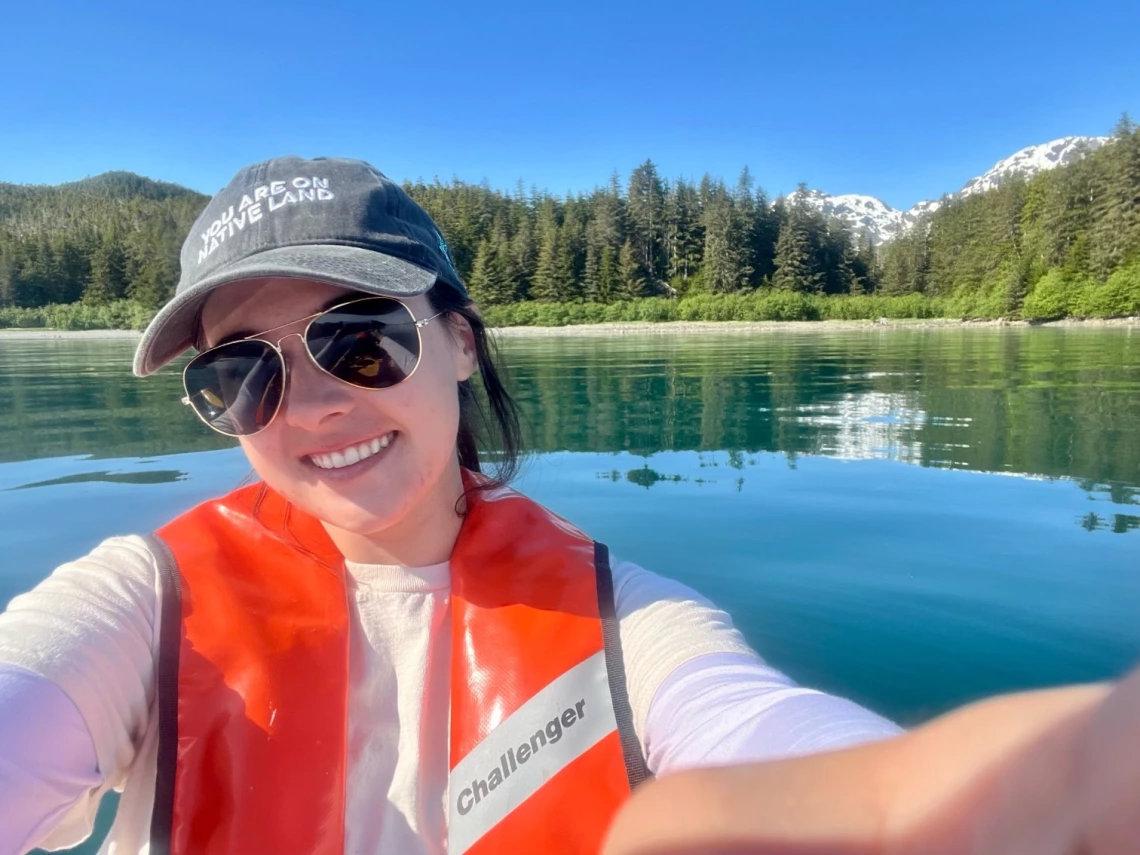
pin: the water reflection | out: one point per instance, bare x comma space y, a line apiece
1116, 523
1045, 402
646, 477
154, 476
1051, 403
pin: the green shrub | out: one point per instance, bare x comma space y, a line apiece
1054, 296
764, 304
120, 315
985, 304
1117, 298
871, 307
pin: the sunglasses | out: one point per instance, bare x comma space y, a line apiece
237, 388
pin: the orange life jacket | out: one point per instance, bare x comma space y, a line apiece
253, 683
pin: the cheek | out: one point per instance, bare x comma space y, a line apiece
266, 455
430, 406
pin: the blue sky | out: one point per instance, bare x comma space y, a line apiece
902, 100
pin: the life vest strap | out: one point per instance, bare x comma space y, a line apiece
166, 682
635, 766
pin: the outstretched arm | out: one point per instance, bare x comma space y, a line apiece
1053, 772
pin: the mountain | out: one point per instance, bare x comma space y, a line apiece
128, 185
884, 223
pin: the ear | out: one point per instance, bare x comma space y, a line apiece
466, 357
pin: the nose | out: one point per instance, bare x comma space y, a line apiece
313, 399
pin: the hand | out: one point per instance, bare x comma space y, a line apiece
1041, 773
1107, 785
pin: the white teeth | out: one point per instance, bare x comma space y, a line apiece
352, 454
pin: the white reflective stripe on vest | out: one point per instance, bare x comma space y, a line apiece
543, 736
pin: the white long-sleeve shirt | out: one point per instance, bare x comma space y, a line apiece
77, 699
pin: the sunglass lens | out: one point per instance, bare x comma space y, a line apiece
371, 343
236, 388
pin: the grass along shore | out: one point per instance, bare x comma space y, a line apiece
761, 309
667, 328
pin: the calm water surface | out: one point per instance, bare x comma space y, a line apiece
911, 518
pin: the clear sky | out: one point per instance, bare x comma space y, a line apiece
901, 100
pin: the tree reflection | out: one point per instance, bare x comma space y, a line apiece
1045, 402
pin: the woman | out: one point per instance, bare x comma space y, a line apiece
297, 666
376, 648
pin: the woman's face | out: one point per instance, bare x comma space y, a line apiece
417, 419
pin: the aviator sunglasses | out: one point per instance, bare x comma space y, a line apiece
237, 387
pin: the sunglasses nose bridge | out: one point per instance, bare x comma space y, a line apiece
304, 347
299, 335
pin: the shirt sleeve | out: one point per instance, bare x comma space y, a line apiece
47, 759
89, 632
701, 696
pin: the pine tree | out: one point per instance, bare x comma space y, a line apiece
571, 254
765, 232
725, 266
646, 212
523, 255
631, 277
1116, 231
491, 281
865, 265
548, 280
609, 276
796, 249
684, 242
107, 280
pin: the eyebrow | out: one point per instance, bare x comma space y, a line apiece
238, 335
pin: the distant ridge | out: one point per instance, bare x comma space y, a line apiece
121, 184
862, 214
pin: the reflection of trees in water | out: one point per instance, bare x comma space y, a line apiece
147, 476
1118, 494
69, 397
1056, 403
1116, 523
1049, 402
646, 477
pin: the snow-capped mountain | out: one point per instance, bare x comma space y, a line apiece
1029, 161
884, 223
865, 214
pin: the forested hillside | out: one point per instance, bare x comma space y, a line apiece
106, 238
1065, 242
1045, 248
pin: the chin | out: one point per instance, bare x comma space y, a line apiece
381, 497
367, 515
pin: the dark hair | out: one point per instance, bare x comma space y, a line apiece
494, 426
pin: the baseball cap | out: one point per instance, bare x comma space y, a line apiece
330, 219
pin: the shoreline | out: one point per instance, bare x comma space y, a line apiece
683, 327
699, 327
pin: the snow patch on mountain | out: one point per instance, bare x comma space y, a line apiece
1032, 160
882, 223
863, 214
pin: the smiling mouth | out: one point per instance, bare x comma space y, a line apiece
353, 454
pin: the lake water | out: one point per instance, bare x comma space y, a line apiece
912, 518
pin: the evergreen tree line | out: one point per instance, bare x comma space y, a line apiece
650, 238
1046, 247
102, 240
1043, 247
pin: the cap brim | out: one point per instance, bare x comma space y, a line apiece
172, 330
